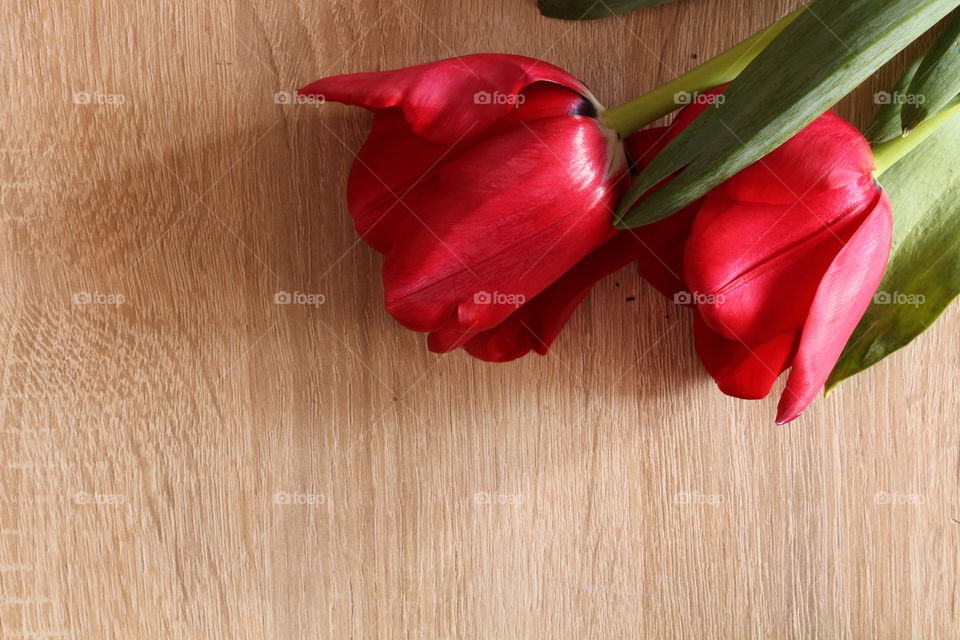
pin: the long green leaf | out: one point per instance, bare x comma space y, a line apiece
937, 81
886, 124
592, 9
889, 121
817, 60
923, 276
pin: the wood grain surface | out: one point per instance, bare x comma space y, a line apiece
184, 458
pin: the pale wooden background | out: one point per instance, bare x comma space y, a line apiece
145, 444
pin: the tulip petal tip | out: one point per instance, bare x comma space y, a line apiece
785, 418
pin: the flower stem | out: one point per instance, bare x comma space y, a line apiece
652, 106
887, 154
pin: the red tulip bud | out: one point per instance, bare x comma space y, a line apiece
779, 263
485, 180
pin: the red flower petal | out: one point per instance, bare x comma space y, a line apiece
510, 217
391, 162
828, 154
394, 160
660, 245
760, 265
535, 325
661, 249
644, 145
740, 370
843, 296
447, 100
545, 100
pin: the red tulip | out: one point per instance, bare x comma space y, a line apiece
780, 262
486, 179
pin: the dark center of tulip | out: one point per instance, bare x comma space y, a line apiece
585, 108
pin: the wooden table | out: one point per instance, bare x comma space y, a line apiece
184, 458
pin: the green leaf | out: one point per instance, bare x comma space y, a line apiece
923, 275
937, 80
592, 9
886, 124
817, 60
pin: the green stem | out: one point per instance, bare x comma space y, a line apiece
652, 106
887, 154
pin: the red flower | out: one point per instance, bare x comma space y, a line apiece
780, 262
485, 180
